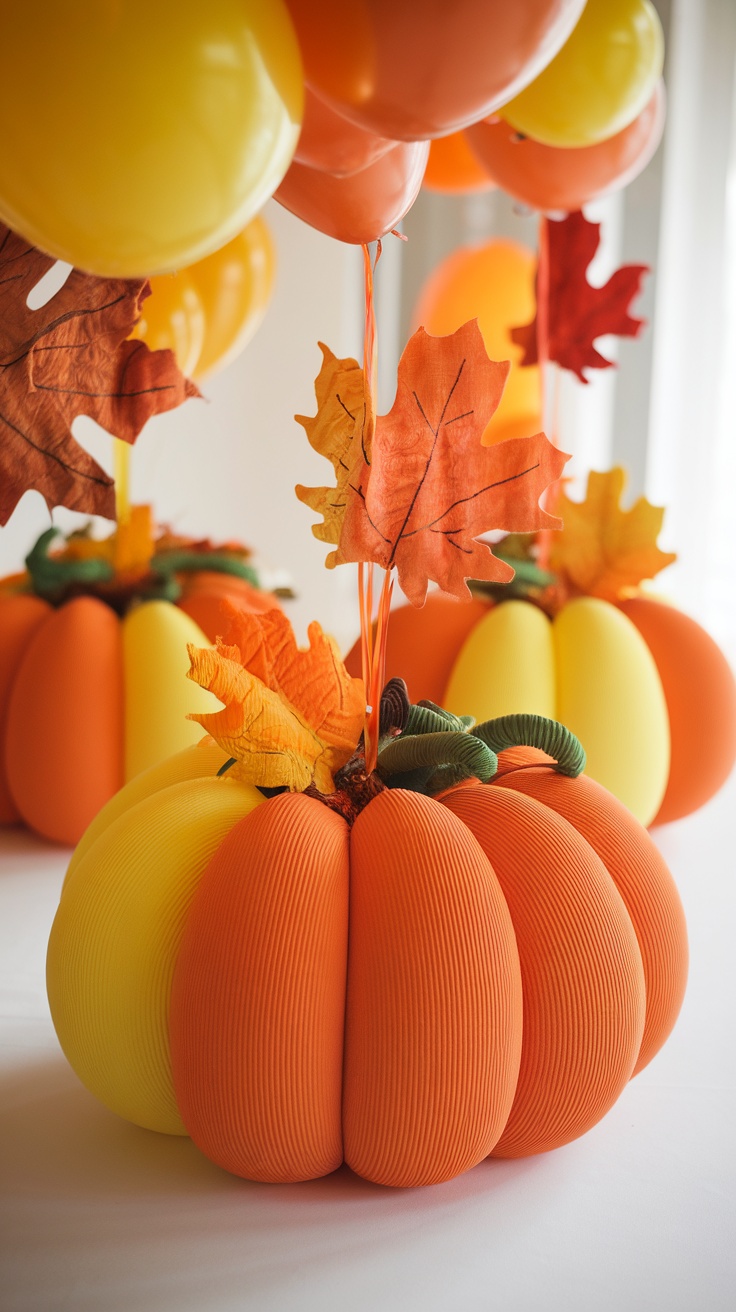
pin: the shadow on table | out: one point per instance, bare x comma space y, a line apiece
56, 1139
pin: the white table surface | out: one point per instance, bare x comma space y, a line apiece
97, 1215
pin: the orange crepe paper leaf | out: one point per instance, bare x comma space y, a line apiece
69, 358
292, 716
605, 551
577, 313
431, 488
342, 431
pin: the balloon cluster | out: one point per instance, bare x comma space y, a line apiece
146, 137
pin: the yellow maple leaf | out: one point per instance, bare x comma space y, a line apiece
604, 551
292, 716
341, 430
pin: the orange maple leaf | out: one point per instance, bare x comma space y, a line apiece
429, 488
604, 551
342, 430
292, 716
71, 357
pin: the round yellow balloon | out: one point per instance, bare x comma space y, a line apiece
145, 135
493, 283
173, 319
235, 287
600, 80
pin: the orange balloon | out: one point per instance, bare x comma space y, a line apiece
363, 206
493, 283
453, 169
173, 319
413, 71
329, 142
235, 285
207, 314
556, 178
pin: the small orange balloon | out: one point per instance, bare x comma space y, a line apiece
453, 169
206, 314
173, 319
493, 283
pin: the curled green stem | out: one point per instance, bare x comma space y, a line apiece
218, 562
428, 717
447, 756
535, 731
51, 577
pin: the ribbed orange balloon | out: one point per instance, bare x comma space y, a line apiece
700, 692
423, 643
639, 872
206, 593
64, 741
258, 998
581, 968
433, 1024
19, 618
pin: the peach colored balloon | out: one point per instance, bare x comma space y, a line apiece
555, 178
412, 71
364, 206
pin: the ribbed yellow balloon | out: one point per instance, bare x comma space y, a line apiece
590, 669
600, 80
144, 134
155, 637
116, 936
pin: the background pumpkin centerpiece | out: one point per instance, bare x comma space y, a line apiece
635, 678
78, 683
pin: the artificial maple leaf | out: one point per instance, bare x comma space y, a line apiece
604, 551
292, 716
577, 312
431, 488
69, 358
342, 430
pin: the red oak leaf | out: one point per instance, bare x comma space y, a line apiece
428, 487
577, 312
70, 358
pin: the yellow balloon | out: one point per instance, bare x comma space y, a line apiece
600, 80
173, 319
235, 287
145, 135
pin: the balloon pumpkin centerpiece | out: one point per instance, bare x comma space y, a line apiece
311, 938
74, 676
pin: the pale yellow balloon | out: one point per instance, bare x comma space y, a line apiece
116, 937
155, 637
599, 82
506, 665
610, 695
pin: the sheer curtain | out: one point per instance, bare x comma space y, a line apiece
691, 448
